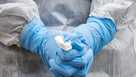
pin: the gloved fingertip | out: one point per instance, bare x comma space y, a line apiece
77, 45
82, 61
64, 70
88, 56
56, 74
68, 56
80, 74
77, 63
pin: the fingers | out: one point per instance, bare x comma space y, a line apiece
70, 55
80, 73
78, 67
62, 69
56, 74
81, 62
73, 63
76, 51
83, 72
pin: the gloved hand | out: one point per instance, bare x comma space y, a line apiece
36, 38
86, 41
74, 62
93, 35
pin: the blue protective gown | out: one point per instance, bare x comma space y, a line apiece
87, 41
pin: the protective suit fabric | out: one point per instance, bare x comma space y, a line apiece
87, 40
118, 56
13, 15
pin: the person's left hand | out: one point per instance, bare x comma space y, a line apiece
74, 62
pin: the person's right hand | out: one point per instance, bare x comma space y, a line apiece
74, 62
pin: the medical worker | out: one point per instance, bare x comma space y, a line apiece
67, 54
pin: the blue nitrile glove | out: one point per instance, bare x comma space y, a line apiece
74, 62
93, 35
37, 39
97, 32
86, 39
